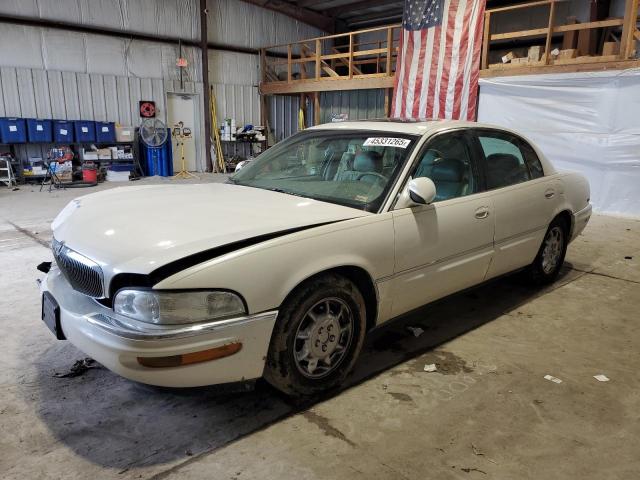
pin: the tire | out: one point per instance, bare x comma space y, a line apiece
303, 329
548, 262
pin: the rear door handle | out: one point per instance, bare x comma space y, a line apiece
482, 212
549, 193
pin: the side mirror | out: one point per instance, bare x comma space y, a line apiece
419, 191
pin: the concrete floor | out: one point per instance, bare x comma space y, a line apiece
487, 412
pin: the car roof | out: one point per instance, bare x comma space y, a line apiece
410, 126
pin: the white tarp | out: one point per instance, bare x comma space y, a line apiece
587, 122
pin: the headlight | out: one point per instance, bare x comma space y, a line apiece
170, 308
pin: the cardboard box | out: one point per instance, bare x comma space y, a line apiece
566, 54
610, 48
508, 57
519, 61
535, 53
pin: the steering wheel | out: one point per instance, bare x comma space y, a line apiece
378, 176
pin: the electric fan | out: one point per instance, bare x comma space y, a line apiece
154, 134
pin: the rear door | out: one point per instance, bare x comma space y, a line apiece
447, 245
523, 198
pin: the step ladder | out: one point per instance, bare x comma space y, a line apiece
6, 173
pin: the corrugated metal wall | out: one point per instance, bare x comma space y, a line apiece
357, 104
283, 115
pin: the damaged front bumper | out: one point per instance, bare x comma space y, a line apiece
118, 342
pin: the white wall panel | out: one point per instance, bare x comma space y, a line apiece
84, 95
56, 94
71, 99
64, 51
98, 98
26, 93
41, 91
10, 92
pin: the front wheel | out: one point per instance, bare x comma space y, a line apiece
548, 262
317, 337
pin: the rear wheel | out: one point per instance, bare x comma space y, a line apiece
548, 262
317, 337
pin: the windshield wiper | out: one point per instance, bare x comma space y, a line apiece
279, 190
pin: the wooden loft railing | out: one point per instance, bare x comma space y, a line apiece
314, 65
573, 61
342, 62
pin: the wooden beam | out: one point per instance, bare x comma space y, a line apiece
351, 56
359, 5
520, 5
485, 41
310, 17
337, 35
614, 22
371, 17
326, 84
627, 42
547, 45
318, 62
389, 50
566, 68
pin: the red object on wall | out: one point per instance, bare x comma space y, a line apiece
147, 109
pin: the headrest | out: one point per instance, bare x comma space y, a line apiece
503, 161
447, 170
368, 161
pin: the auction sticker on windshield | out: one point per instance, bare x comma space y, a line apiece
386, 142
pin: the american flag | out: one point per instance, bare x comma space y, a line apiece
438, 60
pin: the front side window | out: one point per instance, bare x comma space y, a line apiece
447, 162
505, 163
353, 168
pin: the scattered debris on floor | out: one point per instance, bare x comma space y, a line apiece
430, 367
553, 379
417, 331
467, 470
628, 257
78, 368
601, 378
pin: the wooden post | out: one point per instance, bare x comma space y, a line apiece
547, 45
318, 53
316, 108
378, 57
389, 50
485, 41
350, 55
289, 63
627, 40
204, 49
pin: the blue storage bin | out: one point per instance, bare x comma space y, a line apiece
105, 132
85, 131
13, 130
39, 131
62, 131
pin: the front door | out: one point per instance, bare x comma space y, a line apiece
448, 245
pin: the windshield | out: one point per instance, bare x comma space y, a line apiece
355, 168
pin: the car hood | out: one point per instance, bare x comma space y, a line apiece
139, 229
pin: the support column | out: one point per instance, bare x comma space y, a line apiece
206, 97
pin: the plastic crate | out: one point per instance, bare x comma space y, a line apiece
85, 131
105, 132
39, 131
127, 167
13, 130
62, 131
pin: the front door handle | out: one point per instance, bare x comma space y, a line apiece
482, 212
549, 193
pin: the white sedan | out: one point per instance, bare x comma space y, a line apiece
281, 271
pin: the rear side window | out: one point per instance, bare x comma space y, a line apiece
533, 162
505, 162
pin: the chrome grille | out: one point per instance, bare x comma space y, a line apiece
83, 274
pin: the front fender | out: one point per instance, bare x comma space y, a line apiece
265, 273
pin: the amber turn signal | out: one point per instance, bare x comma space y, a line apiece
190, 358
